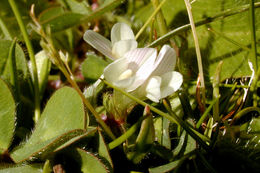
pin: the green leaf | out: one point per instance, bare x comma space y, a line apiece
146, 135
254, 125
91, 163
19, 57
43, 64
7, 116
103, 150
78, 7
33, 168
166, 168
214, 48
71, 19
93, 67
186, 144
62, 21
161, 126
89, 132
50, 13
144, 139
63, 114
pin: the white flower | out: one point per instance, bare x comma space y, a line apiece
145, 74
122, 41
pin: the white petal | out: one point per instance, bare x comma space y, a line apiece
99, 42
171, 82
137, 57
124, 83
121, 31
123, 46
165, 61
145, 70
153, 91
115, 69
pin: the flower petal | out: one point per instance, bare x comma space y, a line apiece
171, 82
137, 57
144, 67
123, 46
165, 61
121, 31
153, 91
113, 71
99, 42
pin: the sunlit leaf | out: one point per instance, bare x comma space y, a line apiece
63, 114
34, 168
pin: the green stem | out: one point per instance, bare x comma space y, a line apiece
5, 30
216, 81
197, 48
222, 15
88, 105
126, 135
253, 34
254, 86
205, 114
192, 132
173, 118
253, 45
244, 112
160, 18
150, 19
37, 111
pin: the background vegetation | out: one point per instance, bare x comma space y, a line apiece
51, 109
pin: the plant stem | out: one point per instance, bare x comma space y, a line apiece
5, 29
244, 112
197, 47
86, 102
159, 17
126, 135
253, 34
150, 19
222, 15
253, 46
216, 81
37, 111
173, 118
205, 114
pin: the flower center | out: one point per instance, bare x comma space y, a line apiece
126, 74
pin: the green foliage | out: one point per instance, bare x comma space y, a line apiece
89, 162
58, 122
19, 58
182, 136
7, 116
33, 168
93, 67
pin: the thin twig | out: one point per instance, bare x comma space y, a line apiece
199, 59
